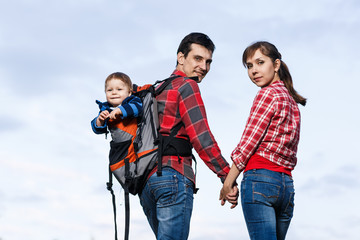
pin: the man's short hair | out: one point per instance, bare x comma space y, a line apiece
198, 38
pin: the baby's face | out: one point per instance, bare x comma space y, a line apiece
116, 91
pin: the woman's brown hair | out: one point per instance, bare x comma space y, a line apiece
271, 51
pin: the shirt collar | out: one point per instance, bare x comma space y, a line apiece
278, 82
179, 73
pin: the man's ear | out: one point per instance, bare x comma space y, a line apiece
180, 58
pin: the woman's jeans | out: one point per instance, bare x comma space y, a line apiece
167, 202
267, 199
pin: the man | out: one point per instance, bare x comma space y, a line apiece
167, 199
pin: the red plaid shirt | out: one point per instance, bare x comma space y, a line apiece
272, 129
181, 102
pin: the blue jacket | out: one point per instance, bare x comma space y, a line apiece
130, 107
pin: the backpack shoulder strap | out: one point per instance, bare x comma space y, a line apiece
167, 81
175, 130
164, 84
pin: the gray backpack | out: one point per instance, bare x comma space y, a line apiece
148, 145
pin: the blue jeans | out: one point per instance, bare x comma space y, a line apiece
167, 202
267, 199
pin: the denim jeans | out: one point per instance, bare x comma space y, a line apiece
267, 199
167, 202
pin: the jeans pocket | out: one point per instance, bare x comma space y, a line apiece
289, 208
266, 193
165, 190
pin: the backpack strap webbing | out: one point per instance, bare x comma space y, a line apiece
126, 196
109, 187
165, 141
159, 90
127, 205
164, 84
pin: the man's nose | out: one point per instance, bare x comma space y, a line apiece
203, 65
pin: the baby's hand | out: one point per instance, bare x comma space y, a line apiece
115, 113
100, 121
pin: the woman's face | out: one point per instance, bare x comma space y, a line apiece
262, 70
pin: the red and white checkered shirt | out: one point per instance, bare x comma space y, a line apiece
181, 102
272, 129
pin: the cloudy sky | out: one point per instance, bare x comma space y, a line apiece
55, 56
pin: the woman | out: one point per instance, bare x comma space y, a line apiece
267, 150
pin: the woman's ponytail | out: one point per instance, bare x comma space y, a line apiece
285, 76
271, 51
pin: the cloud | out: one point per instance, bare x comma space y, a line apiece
55, 57
334, 184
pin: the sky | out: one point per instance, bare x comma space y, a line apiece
55, 56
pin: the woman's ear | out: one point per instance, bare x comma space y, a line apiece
277, 65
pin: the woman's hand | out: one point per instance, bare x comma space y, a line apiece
230, 194
230, 191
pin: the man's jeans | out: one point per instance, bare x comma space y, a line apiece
267, 199
167, 202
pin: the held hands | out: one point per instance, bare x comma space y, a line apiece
230, 194
230, 191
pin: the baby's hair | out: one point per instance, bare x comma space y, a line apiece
120, 76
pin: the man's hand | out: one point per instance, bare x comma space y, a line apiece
229, 194
233, 197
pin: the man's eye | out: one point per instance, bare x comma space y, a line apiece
261, 62
249, 66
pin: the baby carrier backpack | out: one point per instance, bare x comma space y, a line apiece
131, 162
